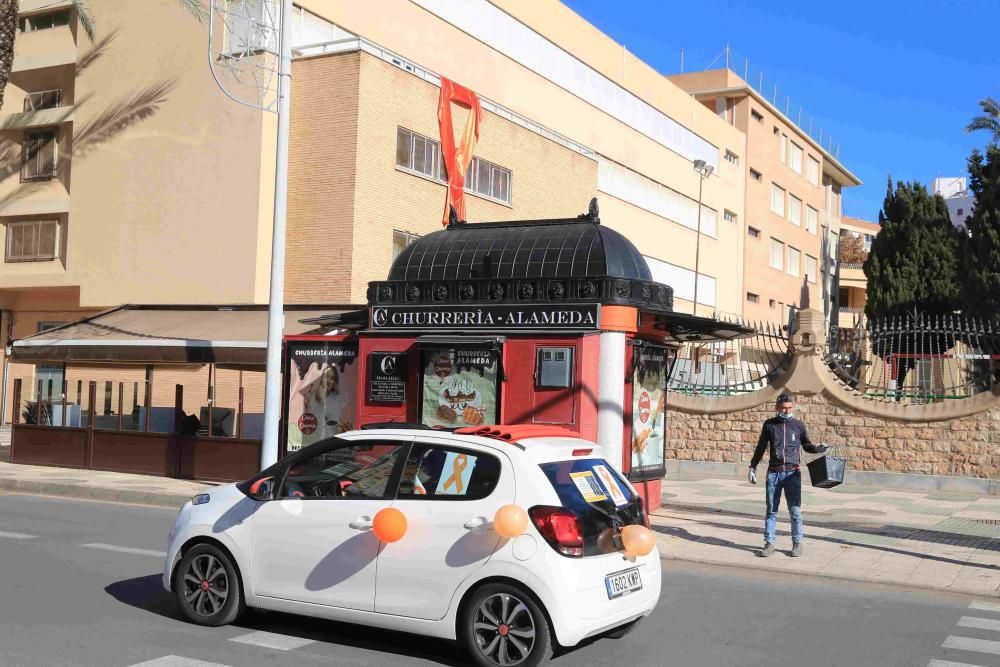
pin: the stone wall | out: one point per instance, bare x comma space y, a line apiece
967, 447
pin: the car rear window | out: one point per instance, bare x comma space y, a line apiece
600, 498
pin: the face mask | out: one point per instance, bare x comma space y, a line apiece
784, 417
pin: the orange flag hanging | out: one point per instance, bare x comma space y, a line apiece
457, 159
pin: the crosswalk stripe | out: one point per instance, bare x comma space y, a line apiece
125, 550
17, 536
985, 606
272, 640
177, 661
970, 644
948, 663
980, 623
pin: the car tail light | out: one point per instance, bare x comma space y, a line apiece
560, 528
582, 452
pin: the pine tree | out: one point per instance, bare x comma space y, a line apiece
912, 268
981, 288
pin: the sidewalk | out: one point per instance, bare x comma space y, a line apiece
943, 541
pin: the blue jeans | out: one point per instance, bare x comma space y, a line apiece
791, 484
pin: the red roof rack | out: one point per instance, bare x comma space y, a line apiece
512, 432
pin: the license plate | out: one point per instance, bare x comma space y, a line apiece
623, 583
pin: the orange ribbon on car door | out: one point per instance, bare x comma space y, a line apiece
457, 159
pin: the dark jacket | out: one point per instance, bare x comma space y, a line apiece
784, 439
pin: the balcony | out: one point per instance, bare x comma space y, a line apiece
44, 48
40, 118
42, 198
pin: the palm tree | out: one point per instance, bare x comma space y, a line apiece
8, 30
989, 120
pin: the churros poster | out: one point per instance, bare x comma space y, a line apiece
649, 396
322, 386
459, 387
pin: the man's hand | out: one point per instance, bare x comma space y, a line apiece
822, 449
752, 475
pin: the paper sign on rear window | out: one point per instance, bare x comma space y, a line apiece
588, 487
609, 482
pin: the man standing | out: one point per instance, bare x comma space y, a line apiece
783, 434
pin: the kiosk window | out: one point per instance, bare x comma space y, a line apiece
444, 473
554, 367
357, 470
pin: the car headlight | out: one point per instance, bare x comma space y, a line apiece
201, 499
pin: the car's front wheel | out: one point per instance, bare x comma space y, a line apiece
502, 626
207, 587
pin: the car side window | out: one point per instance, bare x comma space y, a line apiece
357, 470
433, 472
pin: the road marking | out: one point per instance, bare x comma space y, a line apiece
126, 550
970, 644
17, 536
177, 661
947, 663
272, 640
985, 606
979, 623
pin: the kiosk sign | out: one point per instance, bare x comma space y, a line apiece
387, 377
322, 387
550, 317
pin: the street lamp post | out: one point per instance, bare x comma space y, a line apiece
704, 171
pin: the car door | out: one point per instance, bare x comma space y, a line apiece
313, 542
449, 492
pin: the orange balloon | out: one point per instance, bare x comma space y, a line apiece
638, 540
389, 525
510, 521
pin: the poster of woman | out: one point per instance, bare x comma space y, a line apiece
649, 403
322, 382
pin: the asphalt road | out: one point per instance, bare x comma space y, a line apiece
79, 585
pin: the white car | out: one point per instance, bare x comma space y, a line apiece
298, 538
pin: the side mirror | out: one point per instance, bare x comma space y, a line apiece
262, 489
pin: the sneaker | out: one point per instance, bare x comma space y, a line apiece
796, 549
768, 550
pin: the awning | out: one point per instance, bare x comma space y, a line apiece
225, 335
683, 328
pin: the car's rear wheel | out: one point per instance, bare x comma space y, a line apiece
503, 626
207, 588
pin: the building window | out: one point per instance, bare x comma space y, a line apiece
794, 261
777, 200
811, 268
732, 158
784, 148
813, 171
44, 21
960, 211
418, 153
400, 240
812, 219
487, 179
777, 254
756, 115
729, 216
796, 158
753, 298
771, 303
753, 232
43, 99
38, 153
32, 240
755, 175
844, 298
795, 210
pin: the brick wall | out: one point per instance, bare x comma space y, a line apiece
968, 447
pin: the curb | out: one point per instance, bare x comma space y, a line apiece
827, 575
41, 488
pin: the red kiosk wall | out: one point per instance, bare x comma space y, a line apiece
369, 413
524, 403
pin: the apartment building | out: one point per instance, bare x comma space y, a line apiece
793, 199
130, 178
853, 285
957, 196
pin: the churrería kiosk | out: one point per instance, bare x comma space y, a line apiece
533, 322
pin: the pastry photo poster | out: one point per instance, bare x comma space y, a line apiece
649, 393
459, 387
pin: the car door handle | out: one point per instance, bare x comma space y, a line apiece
361, 523
473, 524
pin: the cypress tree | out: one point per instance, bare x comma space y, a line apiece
981, 288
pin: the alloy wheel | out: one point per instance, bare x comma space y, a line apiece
504, 630
206, 585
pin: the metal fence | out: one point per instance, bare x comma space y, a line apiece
916, 358
729, 368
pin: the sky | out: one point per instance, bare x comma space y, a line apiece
892, 83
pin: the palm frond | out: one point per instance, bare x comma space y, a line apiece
196, 8
86, 18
